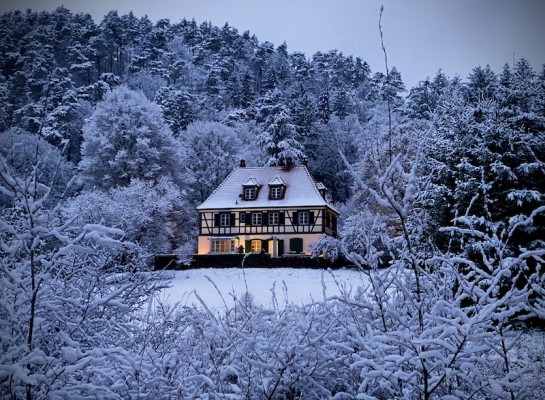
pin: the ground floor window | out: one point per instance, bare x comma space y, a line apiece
256, 246
296, 245
223, 246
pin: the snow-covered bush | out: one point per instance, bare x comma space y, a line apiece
327, 246
142, 210
64, 316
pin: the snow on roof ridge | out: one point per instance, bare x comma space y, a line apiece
313, 182
277, 181
251, 182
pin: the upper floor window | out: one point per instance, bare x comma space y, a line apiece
257, 219
225, 219
303, 218
274, 218
249, 193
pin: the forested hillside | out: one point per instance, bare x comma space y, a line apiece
112, 134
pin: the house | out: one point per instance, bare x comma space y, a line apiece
275, 210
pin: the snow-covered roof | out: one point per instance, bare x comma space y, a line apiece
301, 189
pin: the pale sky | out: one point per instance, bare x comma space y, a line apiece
421, 36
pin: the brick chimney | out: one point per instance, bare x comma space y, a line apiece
289, 163
242, 163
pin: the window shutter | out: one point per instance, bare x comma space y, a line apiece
265, 219
247, 246
280, 248
281, 218
311, 217
295, 218
233, 219
265, 246
248, 219
216, 220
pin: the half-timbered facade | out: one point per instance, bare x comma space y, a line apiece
274, 210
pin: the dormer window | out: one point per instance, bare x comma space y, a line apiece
276, 192
249, 193
250, 189
277, 188
321, 188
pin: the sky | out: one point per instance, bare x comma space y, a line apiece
420, 36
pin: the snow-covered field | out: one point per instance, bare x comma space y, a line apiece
218, 287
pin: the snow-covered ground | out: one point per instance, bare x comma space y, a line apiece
218, 287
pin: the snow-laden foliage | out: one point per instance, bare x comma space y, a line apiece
142, 210
376, 342
443, 191
64, 303
322, 147
444, 321
126, 139
21, 150
279, 138
212, 150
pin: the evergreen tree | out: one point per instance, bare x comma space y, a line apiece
279, 135
482, 84
177, 106
246, 93
304, 111
323, 105
341, 103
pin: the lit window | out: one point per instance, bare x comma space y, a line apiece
257, 219
256, 246
222, 246
276, 192
303, 218
273, 218
249, 193
225, 219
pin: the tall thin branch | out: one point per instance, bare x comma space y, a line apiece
387, 85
